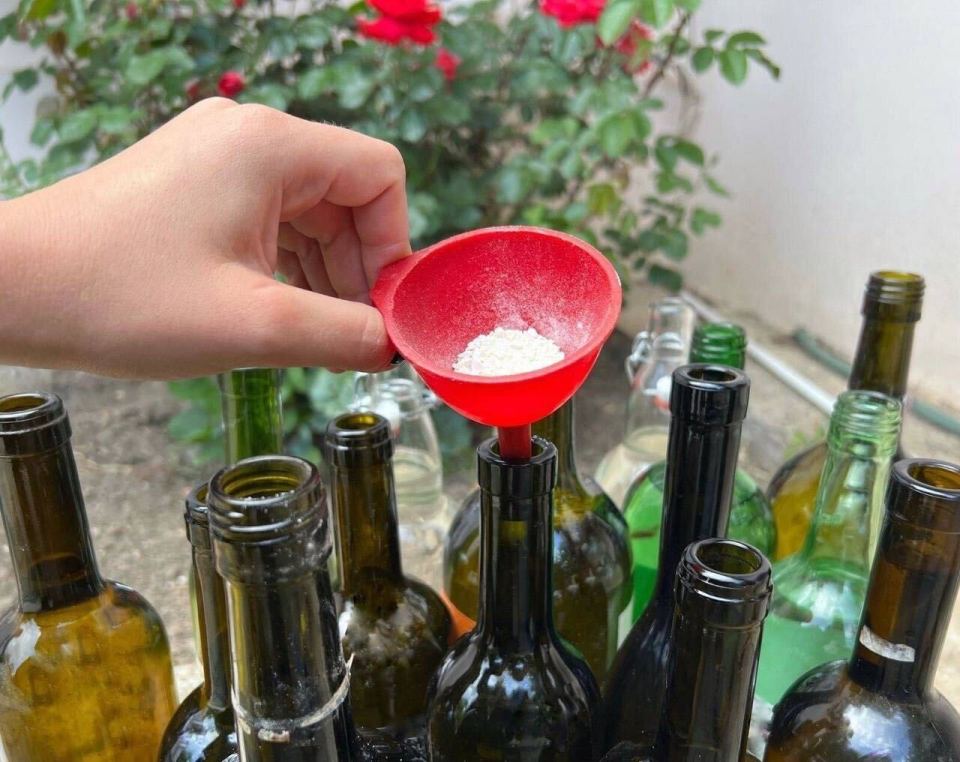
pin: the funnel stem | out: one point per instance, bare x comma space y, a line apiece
515, 442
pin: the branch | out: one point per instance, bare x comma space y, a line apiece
671, 51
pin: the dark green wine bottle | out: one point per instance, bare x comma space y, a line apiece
271, 541
395, 629
881, 704
202, 729
707, 405
252, 413
723, 592
511, 689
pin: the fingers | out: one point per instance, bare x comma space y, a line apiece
332, 228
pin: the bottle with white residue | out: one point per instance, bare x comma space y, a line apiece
401, 397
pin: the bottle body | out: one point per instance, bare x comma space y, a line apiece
511, 689
591, 558
85, 671
394, 628
880, 703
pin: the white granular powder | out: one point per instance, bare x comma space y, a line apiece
506, 351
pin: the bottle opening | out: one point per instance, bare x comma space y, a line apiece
939, 475
32, 422
719, 572
356, 439
709, 395
926, 493
712, 373
868, 415
729, 558
517, 479
31, 407
895, 295
723, 343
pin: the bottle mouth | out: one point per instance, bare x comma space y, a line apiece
517, 479
866, 416
709, 394
356, 439
719, 343
32, 422
730, 581
196, 515
265, 498
926, 493
894, 288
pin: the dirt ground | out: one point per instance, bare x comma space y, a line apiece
134, 477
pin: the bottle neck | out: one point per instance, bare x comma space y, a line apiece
47, 530
558, 428
882, 362
698, 488
649, 402
912, 590
368, 539
515, 612
212, 610
252, 417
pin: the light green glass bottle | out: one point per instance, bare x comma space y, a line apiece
819, 592
751, 520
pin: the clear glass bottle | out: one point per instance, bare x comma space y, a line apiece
655, 354
819, 592
85, 669
401, 397
511, 689
707, 405
891, 309
722, 593
880, 704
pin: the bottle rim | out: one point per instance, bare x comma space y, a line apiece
724, 575
894, 288
709, 394
517, 479
714, 342
196, 515
926, 493
864, 414
360, 437
32, 422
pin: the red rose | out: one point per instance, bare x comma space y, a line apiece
238, 4
401, 20
572, 12
231, 84
132, 11
447, 62
632, 46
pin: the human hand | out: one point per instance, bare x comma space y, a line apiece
159, 262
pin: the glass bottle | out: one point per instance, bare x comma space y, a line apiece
891, 309
819, 591
591, 556
722, 593
881, 704
271, 542
202, 729
750, 517
395, 629
401, 397
85, 671
655, 354
511, 689
708, 404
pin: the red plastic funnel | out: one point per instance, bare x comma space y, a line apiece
439, 299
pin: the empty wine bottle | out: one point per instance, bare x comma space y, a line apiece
591, 557
881, 704
656, 353
891, 309
394, 628
708, 404
819, 591
750, 517
202, 729
271, 540
511, 690
85, 668
722, 592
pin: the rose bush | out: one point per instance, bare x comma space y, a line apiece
544, 113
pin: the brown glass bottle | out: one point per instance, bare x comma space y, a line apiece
393, 627
271, 541
202, 729
881, 705
591, 555
85, 672
707, 406
723, 592
511, 690
891, 309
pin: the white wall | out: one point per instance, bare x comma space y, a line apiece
850, 163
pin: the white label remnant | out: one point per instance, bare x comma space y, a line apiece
886, 649
507, 351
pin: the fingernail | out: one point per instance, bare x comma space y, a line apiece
397, 359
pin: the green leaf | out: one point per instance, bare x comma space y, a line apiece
35, 10
702, 59
142, 70
715, 186
26, 79
665, 154
413, 126
511, 185
78, 125
42, 132
689, 151
192, 425
353, 87
551, 130
615, 19
712, 35
656, 12
77, 26
615, 133
602, 198
312, 32
114, 120
733, 65
664, 277
688, 5
701, 219
761, 58
282, 45
315, 82
194, 389
741, 39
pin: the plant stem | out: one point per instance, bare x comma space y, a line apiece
671, 52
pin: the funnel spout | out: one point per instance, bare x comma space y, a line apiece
515, 442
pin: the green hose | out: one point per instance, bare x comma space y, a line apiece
813, 347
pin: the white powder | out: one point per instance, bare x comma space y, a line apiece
506, 351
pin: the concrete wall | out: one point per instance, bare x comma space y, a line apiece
850, 163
